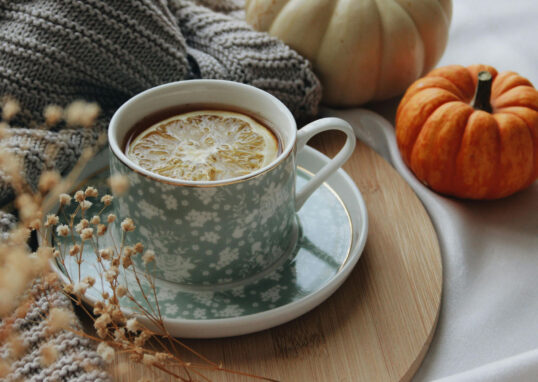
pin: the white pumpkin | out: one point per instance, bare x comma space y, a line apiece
362, 50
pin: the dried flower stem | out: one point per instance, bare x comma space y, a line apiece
117, 333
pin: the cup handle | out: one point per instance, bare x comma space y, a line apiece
304, 135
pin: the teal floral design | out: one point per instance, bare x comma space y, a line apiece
216, 235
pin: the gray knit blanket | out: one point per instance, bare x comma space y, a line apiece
106, 51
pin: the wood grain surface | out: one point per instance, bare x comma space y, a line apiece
377, 326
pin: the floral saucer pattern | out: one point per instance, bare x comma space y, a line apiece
329, 245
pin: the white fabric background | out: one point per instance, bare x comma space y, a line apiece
488, 327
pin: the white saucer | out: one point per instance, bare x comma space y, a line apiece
334, 226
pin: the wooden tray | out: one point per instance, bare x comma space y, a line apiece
379, 324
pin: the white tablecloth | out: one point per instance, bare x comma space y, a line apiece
488, 327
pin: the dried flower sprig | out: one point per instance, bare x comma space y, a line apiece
70, 235
118, 332
10, 108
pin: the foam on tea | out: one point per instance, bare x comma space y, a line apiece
204, 145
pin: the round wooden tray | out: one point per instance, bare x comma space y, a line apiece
379, 324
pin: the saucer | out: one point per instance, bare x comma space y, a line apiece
333, 230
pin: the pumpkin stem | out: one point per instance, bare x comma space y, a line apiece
483, 92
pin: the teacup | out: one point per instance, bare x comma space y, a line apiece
218, 232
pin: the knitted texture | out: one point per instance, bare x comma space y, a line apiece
234, 8
53, 52
76, 360
57, 51
227, 48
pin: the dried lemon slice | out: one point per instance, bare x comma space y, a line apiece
204, 145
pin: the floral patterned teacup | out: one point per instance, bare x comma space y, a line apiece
218, 232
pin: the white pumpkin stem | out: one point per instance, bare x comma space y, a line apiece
481, 100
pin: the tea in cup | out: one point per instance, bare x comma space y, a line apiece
202, 145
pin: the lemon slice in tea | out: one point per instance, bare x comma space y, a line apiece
204, 145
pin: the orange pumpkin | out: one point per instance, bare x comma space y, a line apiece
470, 132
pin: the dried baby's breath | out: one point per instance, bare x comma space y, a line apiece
29, 210
98, 308
128, 250
117, 315
19, 236
63, 230
121, 291
74, 250
82, 224
119, 184
51, 220
69, 289
65, 199
49, 354
106, 254
133, 325
142, 338
48, 180
10, 109
86, 234
127, 225
80, 196
102, 321
35, 223
52, 278
23, 308
89, 280
76, 235
111, 274
81, 113
101, 229
81, 288
91, 192
16, 274
10, 164
106, 352
107, 199
126, 261
45, 252
16, 345
139, 247
85, 205
59, 319
53, 115
148, 257
115, 262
